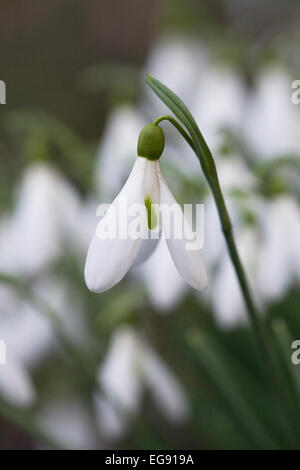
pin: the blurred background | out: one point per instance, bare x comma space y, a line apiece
150, 364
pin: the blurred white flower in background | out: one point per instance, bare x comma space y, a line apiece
178, 62
279, 255
85, 227
31, 238
15, 382
271, 123
129, 367
271, 126
219, 101
227, 301
30, 335
45, 216
268, 245
117, 151
16, 329
110, 421
70, 421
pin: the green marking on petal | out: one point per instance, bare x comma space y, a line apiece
152, 216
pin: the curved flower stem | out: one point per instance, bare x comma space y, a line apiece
176, 124
196, 140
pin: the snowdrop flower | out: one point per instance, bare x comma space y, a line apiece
110, 258
130, 361
126, 122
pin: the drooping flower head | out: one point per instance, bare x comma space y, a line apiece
139, 213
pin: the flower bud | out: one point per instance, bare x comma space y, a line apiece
151, 142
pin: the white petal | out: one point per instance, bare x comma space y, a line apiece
109, 259
152, 194
188, 262
146, 249
151, 182
157, 269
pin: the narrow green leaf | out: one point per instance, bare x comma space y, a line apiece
200, 146
183, 114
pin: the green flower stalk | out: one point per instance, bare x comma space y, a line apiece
192, 134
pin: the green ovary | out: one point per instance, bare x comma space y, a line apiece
151, 214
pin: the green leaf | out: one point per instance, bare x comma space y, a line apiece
199, 145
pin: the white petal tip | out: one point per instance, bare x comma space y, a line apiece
201, 285
94, 289
91, 280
